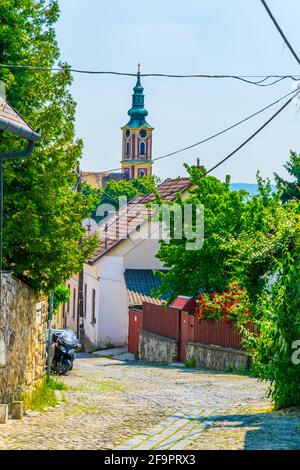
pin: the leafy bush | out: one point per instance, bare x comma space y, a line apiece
61, 295
190, 363
230, 306
277, 327
43, 395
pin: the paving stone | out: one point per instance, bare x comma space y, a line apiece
113, 404
125, 357
110, 352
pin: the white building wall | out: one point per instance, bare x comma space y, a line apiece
112, 315
91, 280
71, 307
112, 318
142, 255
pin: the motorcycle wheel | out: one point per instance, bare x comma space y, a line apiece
63, 367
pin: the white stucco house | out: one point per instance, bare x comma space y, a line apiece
119, 274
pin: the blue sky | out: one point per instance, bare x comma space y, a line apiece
182, 36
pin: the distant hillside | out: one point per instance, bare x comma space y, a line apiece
251, 188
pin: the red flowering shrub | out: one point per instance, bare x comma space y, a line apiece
231, 306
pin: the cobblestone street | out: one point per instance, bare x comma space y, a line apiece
130, 405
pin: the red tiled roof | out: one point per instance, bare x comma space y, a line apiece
136, 212
167, 190
183, 303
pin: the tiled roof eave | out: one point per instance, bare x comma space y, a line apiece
12, 122
167, 190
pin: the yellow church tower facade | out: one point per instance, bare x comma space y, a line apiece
137, 137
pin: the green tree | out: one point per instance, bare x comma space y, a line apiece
114, 189
254, 242
61, 295
274, 344
243, 238
290, 189
42, 217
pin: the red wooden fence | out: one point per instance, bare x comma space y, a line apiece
161, 320
181, 326
217, 333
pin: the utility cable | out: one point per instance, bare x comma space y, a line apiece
280, 31
243, 78
212, 136
252, 135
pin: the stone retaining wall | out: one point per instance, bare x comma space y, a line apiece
156, 348
22, 339
209, 356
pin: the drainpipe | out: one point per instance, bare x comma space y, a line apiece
80, 312
19, 154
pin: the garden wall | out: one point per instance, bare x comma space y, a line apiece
209, 356
23, 320
156, 348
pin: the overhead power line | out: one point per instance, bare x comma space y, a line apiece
280, 31
207, 139
253, 135
244, 78
240, 146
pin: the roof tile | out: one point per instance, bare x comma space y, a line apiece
129, 218
140, 283
13, 122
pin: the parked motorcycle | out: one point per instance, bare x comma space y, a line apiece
64, 345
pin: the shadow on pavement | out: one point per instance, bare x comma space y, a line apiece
274, 430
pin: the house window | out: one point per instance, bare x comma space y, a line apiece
68, 303
93, 306
142, 148
84, 300
74, 303
127, 148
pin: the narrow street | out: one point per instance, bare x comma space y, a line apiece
129, 405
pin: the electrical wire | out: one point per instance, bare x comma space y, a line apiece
280, 31
252, 135
212, 136
236, 150
239, 147
243, 78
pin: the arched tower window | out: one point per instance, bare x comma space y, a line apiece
142, 148
127, 148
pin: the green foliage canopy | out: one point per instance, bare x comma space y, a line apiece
242, 237
290, 189
256, 243
114, 189
42, 214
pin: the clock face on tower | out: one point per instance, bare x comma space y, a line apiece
143, 133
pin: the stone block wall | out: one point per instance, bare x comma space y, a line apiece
23, 320
156, 348
212, 357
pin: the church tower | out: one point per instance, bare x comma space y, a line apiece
137, 137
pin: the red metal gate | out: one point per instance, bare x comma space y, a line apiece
134, 329
186, 333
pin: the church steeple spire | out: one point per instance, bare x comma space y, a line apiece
137, 136
137, 112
